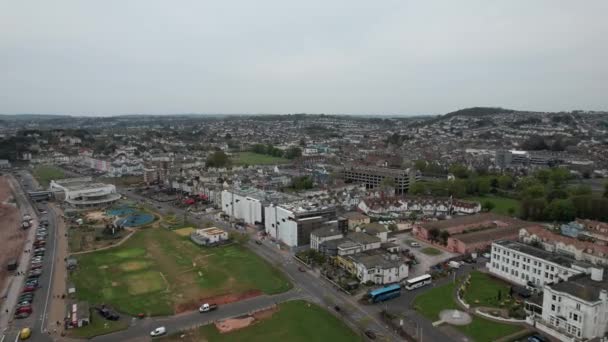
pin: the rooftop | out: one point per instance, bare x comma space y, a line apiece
487, 234
469, 220
354, 215
583, 287
376, 260
326, 231
362, 238
537, 252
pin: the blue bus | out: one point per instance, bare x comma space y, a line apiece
384, 293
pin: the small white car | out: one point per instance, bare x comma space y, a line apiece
158, 331
414, 244
486, 255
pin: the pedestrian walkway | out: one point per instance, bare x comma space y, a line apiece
57, 305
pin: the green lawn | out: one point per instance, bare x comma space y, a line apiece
296, 321
501, 204
430, 251
432, 302
46, 173
483, 290
99, 326
251, 158
158, 272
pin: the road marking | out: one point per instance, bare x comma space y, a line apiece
48, 294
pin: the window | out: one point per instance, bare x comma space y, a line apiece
578, 306
575, 317
552, 307
553, 297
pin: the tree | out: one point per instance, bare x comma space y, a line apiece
505, 182
580, 190
606, 189
488, 206
457, 188
533, 209
559, 176
434, 234
459, 171
302, 142
561, 210
418, 188
535, 191
534, 143
420, 165
392, 227
444, 235
218, 159
499, 296
543, 175
293, 152
228, 136
483, 185
302, 183
511, 211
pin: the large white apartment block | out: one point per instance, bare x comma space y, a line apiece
243, 206
292, 223
530, 266
576, 309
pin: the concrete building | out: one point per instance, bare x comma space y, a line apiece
323, 234
356, 219
577, 309
248, 204
209, 236
593, 251
84, 193
292, 223
530, 266
5, 164
378, 268
372, 176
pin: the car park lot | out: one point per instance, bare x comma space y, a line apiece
425, 261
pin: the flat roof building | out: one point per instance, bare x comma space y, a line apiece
84, 193
372, 176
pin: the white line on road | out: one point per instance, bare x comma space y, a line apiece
48, 294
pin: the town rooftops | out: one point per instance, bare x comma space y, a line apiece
375, 260
374, 228
483, 218
326, 232
362, 238
537, 252
383, 171
583, 287
487, 234
210, 231
354, 215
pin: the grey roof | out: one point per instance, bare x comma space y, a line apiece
326, 232
374, 228
583, 287
362, 238
375, 260
537, 252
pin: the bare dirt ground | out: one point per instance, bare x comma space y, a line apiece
12, 237
231, 324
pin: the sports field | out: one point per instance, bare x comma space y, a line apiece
295, 321
46, 173
251, 158
159, 272
502, 205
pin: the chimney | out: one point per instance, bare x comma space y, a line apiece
597, 274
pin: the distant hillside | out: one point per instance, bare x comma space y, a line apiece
478, 111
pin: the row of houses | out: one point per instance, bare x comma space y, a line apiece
404, 206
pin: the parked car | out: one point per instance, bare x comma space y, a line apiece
108, 314
537, 338
24, 309
158, 331
207, 307
23, 304
258, 242
21, 315
414, 244
486, 255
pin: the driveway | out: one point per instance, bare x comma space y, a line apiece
425, 260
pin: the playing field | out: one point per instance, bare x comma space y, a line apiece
159, 272
46, 173
251, 158
502, 205
296, 321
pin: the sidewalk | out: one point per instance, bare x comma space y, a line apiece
57, 305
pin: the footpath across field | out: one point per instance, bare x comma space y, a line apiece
159, 272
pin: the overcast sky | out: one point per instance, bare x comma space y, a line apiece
315, 56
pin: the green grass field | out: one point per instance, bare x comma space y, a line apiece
501, 204
430, 251
251, 158
483, 290
432, 302
296, 321
44, 174
158, 272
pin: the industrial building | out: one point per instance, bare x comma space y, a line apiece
292, 223
248, 204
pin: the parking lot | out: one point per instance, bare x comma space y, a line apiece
425, 261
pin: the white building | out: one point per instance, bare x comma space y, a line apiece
82, 192
378, 268
209, 236
321, 235
248, 204
292, 223
576, 309
530, 266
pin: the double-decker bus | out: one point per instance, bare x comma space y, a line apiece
417, 282
384, 293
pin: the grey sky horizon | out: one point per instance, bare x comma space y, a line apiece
356, 57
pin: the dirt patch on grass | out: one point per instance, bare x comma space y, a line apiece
265, 314
133, 265
145, 282
12, 237
184, 231
219, 300
232, 324
95, 215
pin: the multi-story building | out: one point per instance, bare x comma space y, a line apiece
292, 223
84, 193
372, 176
577, 309
356, 219
378, 268
530, 266
248, 204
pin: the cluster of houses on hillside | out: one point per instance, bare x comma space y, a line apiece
428, 206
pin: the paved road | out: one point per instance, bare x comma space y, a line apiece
36, 321
141, 328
